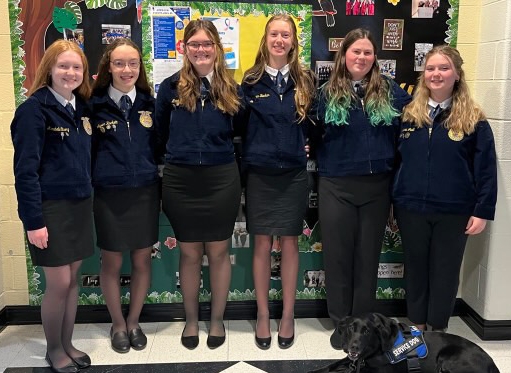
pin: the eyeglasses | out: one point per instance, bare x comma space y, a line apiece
206, 45
120, 64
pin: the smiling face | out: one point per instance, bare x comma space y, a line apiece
124, 67
440, 77
67, 73
279, 41
201, 52
360, 58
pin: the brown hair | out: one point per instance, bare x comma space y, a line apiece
223, 92
464, 113
302, 77
43, 73
104, 78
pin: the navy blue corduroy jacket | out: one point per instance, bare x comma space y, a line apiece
123, 152
273, 137
52, 154
203, 137
357, 148
445, 173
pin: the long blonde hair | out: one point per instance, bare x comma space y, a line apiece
43, 73
302, 77
223, 93
464, 113
341, 95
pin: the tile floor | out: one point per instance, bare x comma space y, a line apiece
24, 346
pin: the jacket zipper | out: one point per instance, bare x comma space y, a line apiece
367, 138
202, 113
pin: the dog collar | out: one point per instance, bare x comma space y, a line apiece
407, 345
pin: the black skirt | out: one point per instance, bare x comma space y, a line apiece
276, 201
126, 219
201, 202
70, 233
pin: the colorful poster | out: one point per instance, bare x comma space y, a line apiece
229, 31
167, 31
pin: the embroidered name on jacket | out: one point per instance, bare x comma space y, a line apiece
403, 347
262, 95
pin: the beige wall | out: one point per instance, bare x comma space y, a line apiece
484, 40
13, 273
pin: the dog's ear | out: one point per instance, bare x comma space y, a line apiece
387, 331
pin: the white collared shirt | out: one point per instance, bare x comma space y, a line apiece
273, 72
443, 105
62, 100
116, 95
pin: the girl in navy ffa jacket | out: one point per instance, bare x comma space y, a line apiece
51, 133
201, 183
445, 188
278, 93
126, 184
358, 110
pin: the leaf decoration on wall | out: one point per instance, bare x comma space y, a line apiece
112, 4
75, 9
63, 18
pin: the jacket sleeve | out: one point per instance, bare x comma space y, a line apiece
485, 172
28, 136
401, 98
162, 119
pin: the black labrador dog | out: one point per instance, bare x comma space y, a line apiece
368, 340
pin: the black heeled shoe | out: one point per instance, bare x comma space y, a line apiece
70, 368
82, 362
286, 342
262, 343
120, 341
214, 341
138, 339
189, 342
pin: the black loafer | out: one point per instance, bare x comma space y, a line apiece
120, 341
70, 368
190, 342
215, 341
138, 339
82, 362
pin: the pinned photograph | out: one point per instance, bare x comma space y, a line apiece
75, 36
424, 8
388, 68
324, 69
421, 49
360, 7
240, 236
314, 278
111, 32
275, 266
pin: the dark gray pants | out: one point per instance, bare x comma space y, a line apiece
433, 245
353, 212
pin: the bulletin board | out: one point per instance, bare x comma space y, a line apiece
405, 30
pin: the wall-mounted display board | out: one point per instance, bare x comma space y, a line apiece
404, 29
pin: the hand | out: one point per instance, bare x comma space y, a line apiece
475, 225
38, 237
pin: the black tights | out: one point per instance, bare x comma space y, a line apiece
58, 312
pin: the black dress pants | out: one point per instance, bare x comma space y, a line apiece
353, 212
433, 245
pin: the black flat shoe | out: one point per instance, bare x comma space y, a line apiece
262, 343
189, 342
82, 362
120, 341
215, 341
70, 368
138, 339
286, 342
